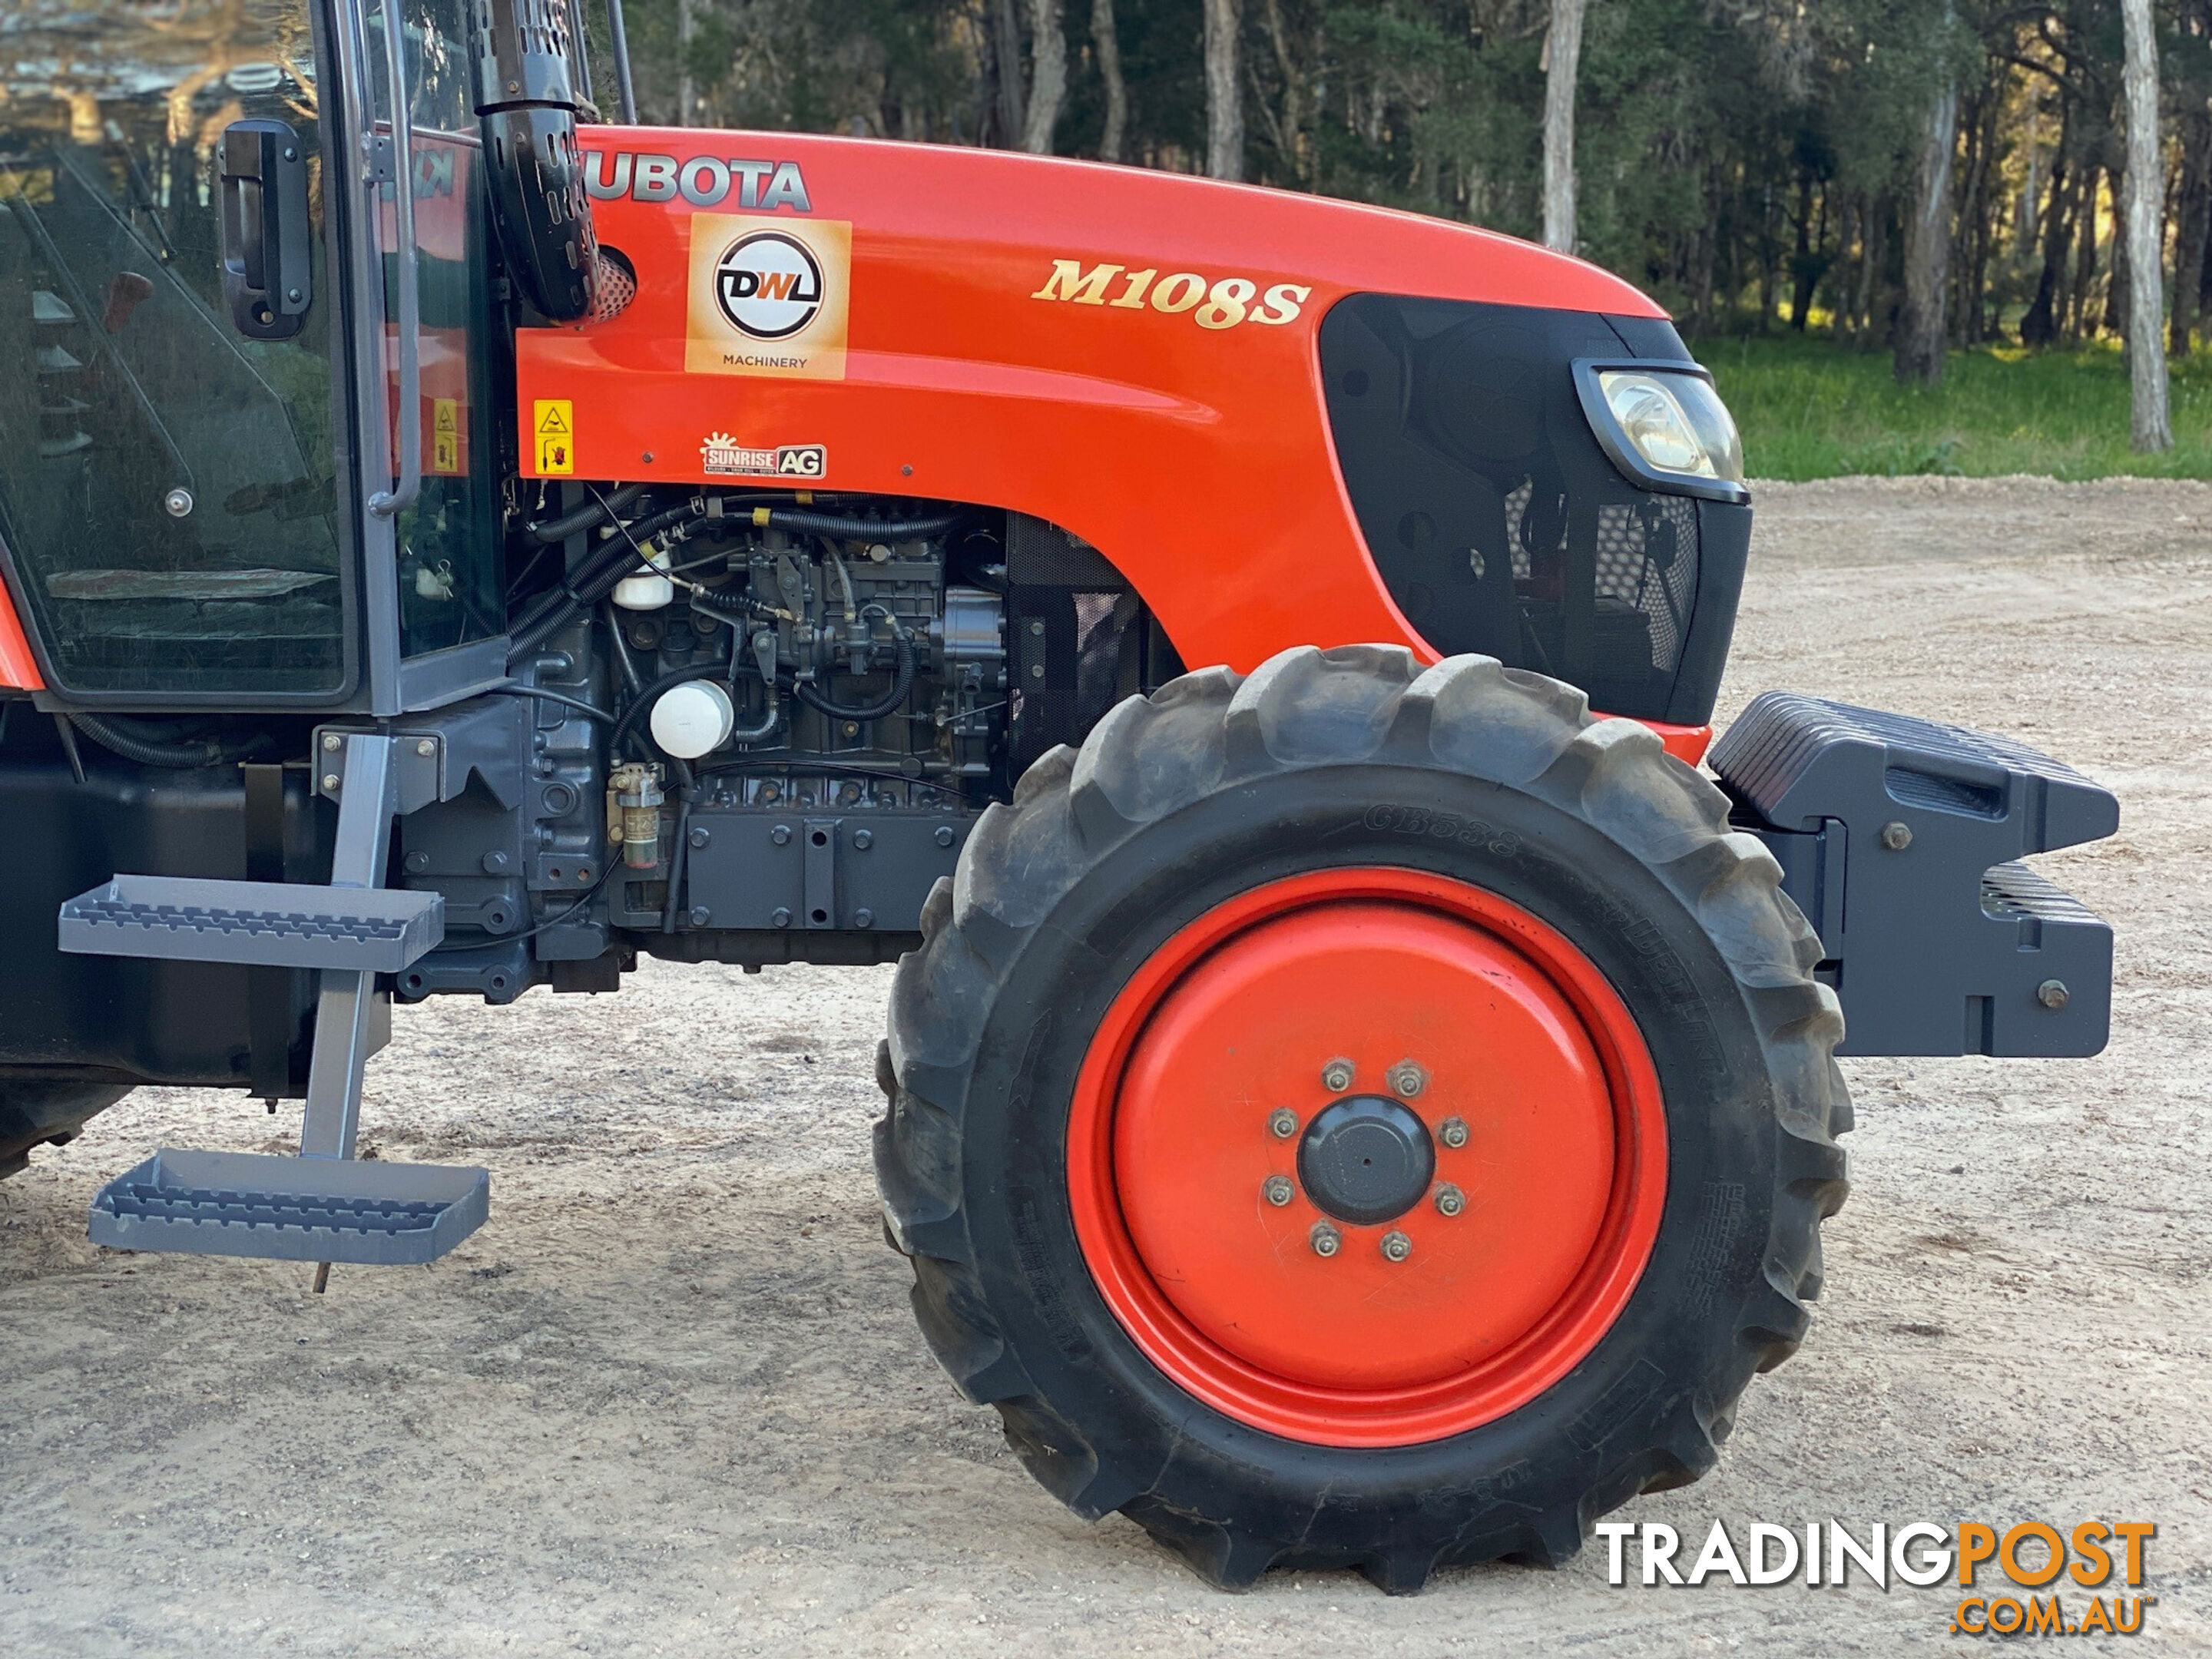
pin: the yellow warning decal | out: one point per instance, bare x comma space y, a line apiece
444, 435
554, 420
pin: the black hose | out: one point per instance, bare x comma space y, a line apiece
111, 733
849, 527
586, 516
594, 581
902, 684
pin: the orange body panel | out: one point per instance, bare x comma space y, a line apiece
19, 670
1195, 454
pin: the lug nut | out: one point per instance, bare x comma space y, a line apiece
1336, 1076
1453, 1131
1449, 1200
1896, 835
1276, 1190
1396, 1247
1407, 1079
1282, 1123
2053, 994
1325, 1239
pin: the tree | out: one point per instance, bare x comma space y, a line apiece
2149, 428
1106, 42
1563, 51
1049, 74
1921, 332
1224, 99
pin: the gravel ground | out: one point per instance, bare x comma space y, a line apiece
670, 1399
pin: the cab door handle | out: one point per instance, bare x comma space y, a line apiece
268, 259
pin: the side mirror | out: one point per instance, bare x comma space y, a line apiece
267, 258
527, 109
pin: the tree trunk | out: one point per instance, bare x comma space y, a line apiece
1563, 53
1006, 54
686, 94
1224, 101
1920, 335
1106, 41
2149, 426
1048, 75
2192, 223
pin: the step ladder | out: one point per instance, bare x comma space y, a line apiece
323, 1206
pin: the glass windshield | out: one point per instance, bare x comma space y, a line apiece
166, 486
451, 572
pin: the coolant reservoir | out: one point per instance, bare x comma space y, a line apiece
645, 592
693, 719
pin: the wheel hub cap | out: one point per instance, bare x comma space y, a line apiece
1366, 1159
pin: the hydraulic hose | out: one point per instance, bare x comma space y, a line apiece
902, 684
587, 517
849, 527
111, 732
594, 581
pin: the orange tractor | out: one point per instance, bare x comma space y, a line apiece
1360, 1071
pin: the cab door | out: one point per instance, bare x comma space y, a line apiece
169, 523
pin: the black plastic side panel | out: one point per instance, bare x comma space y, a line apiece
1494, 517
1723, 553
154, 1022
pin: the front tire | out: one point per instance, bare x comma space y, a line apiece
1491, 911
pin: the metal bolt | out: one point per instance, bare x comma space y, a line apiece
1407, 1079
177, 503
1452, 1132
2053, 994
701, 915
852, 728
1896, 835
781, 918
1036, 671
1036, 628
864, 917
700, 836
426, 747
1325, 1239
418, 862
494, 863
1276, 1190
864, 839
1396, 1247
329, 779
780, 835
1336, 1076
331, 740
945, 837
1282, 1123
1449, 1200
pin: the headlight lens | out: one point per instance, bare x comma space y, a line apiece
1676, 423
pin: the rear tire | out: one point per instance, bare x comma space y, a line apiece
38, 1108
1354, 773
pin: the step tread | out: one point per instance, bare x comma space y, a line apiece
298, 1209
276, 924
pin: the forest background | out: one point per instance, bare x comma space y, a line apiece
1896, 229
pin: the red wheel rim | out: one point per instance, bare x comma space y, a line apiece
1171, 1147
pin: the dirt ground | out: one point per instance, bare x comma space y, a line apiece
670, 1399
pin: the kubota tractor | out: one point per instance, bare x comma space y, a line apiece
1360, 1093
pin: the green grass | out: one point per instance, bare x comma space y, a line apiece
1810, 409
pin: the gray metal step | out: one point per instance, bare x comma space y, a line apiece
378, 930
291, 1209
